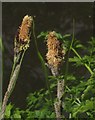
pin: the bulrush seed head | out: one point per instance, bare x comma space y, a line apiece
55, 53
22, 38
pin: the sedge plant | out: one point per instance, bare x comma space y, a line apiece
21, 44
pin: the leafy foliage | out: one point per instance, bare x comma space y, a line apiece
79, 98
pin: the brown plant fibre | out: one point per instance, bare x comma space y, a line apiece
23, 36
24, 28
55, 53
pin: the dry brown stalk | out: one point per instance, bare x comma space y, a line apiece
9, 90
54, 58
21, 44
55, 53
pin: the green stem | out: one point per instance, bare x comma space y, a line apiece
16, 59
43, 63
18, 70
13, 68
22, 57
35, 40
76, 53
89, 69
67, 63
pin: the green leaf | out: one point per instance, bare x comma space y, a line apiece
17, 114
59, 36
88, 105
66, 36
71, 77
79, 46
42, 34
8, 110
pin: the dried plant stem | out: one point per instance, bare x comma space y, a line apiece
21, 43
58, 103
11, 85
9, 90
54, 56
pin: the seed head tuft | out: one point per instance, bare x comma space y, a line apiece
55, 53
22, 38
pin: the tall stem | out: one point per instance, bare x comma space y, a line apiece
67, 63
58, 103
43, 62
11, 85
9, 91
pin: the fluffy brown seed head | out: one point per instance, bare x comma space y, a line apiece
54, 55
24, 28
23, 37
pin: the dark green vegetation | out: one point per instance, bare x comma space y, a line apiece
79, 97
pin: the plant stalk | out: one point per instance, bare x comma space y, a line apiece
43, 63
11, 85
9, 91
58, 103
60, 93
